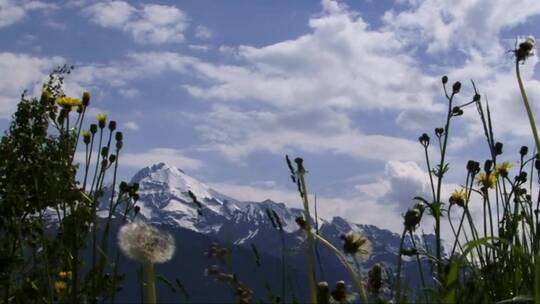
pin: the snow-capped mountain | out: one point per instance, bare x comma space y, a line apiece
165, 200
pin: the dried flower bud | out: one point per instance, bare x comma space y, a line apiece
375, 279
104, 152
439, 132
340, 292
525, 49
112, 158
444, 79
355, 243
424, 140
456, 87
86, 136
498, 148
323, 293
412, 217
523, 150
86, 99
93, 128
119, 136
112, 125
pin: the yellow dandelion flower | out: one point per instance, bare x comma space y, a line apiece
60, 286
487, 180
503, 168
68, 102
65, 275
355, 243
458, 197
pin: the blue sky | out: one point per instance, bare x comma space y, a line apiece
224, 89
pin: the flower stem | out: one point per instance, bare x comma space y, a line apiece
356, 276
311, 260
150, 282
527, 107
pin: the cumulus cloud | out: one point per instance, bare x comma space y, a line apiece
202, 32
12, 12
148, 24
26, 72
357, 210
454, 25
130, 125
167, 155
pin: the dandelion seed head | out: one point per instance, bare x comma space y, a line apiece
142, 242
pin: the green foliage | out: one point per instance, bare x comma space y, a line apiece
46, 215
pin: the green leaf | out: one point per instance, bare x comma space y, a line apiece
451, 284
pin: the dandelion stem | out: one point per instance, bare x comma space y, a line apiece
150, 282
527, 107
311, 268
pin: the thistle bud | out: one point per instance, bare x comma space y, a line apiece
424, 140
523, 150
86, 99
444, 79
93, 128
86, 136
101, 118
340, 292
119, 136
323, 293
498, 148
112, 125
456, 87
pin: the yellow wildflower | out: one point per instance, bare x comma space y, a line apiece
355, 243
487, 180
68, 102
502, 169
65, 275
458, 197
101, 118
60, 286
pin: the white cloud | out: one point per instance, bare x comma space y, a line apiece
202, 32
12, 12
357, 210
130, 125
460, 25
24, 72
317, 130
149, 24
167, 155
